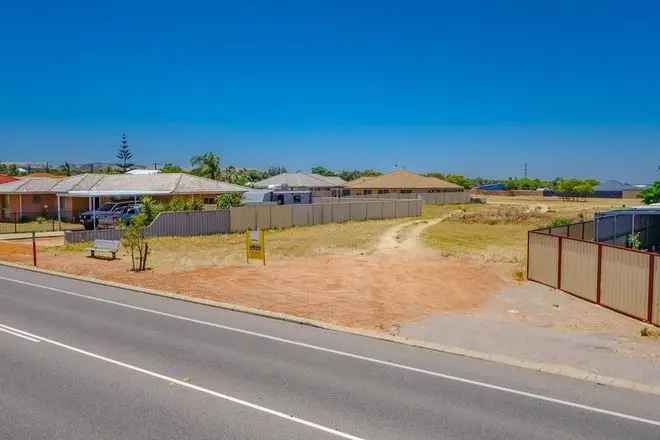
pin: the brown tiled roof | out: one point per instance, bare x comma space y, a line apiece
5, 178
400, 179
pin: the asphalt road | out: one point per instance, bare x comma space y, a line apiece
82, 361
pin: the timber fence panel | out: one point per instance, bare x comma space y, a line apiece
328, 216
655, 317
575, 230
543, 258
579, 268
358, 211
317, 214
560, 231
341, 212
301, 215
400, 210
374, 210
281, 216
263, 216
625, 281
388, 209
243, 218
589, 231
189, 223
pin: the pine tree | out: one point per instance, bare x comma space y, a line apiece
124, 154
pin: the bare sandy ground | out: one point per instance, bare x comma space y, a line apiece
402, 281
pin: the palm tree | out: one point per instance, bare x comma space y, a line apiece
206, 165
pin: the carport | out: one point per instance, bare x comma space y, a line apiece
618, 226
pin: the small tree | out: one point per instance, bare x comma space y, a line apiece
134, 240
171, 168
124, 154
228, 200
150, 209
651, 194
206, 165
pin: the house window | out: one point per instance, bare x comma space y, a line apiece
36, 199
209, 200
297, 198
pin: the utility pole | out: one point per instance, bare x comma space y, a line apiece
525, 170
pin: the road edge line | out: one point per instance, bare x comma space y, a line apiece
555, 369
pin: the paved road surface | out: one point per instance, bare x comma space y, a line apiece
82, 361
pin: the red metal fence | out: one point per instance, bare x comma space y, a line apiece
622, 279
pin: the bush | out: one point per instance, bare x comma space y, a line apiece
185, 204
228, 200
150, 210
559, 221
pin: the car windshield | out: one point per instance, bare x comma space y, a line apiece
106, 207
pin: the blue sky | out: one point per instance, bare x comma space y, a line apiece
478, 88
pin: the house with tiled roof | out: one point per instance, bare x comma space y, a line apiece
400, 181
31, 197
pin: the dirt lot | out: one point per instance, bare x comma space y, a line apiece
374, 274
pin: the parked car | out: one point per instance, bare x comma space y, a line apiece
106, 215
129, 212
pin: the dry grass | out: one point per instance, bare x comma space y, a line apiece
497, 230
186, 253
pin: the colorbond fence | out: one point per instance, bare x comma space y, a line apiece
439, 198
286, 216
191, 223
621, 279
185, 223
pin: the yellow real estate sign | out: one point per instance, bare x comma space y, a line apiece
255, 245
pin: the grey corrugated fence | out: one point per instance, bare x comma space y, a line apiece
439, 198
185, 223
189, 223
286, 216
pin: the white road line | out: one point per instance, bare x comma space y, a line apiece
19, 335
486, 385
187, 385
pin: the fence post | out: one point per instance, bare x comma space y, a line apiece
599, 272
651, 275
561, 242
528, 236
34, 249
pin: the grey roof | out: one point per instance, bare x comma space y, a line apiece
29, 185
301, 180
124, 184
613, 185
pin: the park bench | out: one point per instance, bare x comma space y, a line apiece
109, 246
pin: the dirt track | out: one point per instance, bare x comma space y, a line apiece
402, 281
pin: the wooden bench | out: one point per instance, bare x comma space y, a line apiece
109, 246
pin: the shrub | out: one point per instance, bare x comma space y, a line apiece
228, 200
150, 209
559, 221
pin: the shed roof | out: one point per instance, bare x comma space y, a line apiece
613, 185
301, 180
401, 179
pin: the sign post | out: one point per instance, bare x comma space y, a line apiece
255, 245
